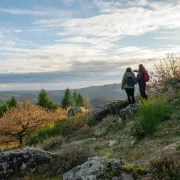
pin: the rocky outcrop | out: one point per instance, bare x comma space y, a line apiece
117, 108
99, 168
24, 159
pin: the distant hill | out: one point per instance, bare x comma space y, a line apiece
97, 94
99, 101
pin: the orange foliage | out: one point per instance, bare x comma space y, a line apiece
24, 120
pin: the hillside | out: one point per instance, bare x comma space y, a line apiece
118, 145
98, 94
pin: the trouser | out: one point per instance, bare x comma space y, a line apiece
130, 95
142, 89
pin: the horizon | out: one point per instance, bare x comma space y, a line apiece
73, 43
37, 90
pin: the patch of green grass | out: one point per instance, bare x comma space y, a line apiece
63, 127
151, 113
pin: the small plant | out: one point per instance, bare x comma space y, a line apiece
165, 166
92, 121
69, 158
52, 143
150, 113
63, 127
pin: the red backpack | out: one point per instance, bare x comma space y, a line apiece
146, 76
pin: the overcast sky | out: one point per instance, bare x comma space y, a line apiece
55, 44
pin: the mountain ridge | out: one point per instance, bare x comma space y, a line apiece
98, 95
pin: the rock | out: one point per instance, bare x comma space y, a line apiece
76, 110
23, 159
112, 108
129, 110
99, 168
112, 143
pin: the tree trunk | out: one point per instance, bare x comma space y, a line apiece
20, 138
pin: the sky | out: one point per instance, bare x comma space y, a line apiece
55, 44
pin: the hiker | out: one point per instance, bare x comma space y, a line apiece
142, 78
128, 83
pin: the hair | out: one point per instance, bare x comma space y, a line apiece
141, 68
128, 69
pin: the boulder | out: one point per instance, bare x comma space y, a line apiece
22, 159
128, 111
118, 108
99, 168
76, 110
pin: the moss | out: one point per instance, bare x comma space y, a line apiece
55, 156
115, 149
137, 171
110, 171
108, 155
39, 177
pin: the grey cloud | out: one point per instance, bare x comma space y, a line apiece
91, 71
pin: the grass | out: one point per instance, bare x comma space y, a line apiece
150, 114
63, 127
52, 143
165, 166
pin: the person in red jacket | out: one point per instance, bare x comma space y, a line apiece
142, 78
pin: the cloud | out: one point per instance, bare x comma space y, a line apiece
79, 71
88, 48
50, 12
173, 35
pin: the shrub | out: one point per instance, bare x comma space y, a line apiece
63, 127
165, 166
150, 114
92, 121
168, 68
70, 157
52, 143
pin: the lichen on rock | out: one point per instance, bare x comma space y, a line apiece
22, 159
99, 168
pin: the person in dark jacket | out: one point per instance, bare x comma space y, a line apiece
128, 83
142, 78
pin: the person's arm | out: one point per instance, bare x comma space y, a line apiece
123, 82
138, 77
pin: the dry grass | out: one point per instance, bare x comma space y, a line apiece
51, 143
166, 166
109, 120
70, 157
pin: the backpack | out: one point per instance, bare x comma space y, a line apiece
146, 76
130, 81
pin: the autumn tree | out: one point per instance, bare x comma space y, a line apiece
45, 101
22, 121
67, 99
